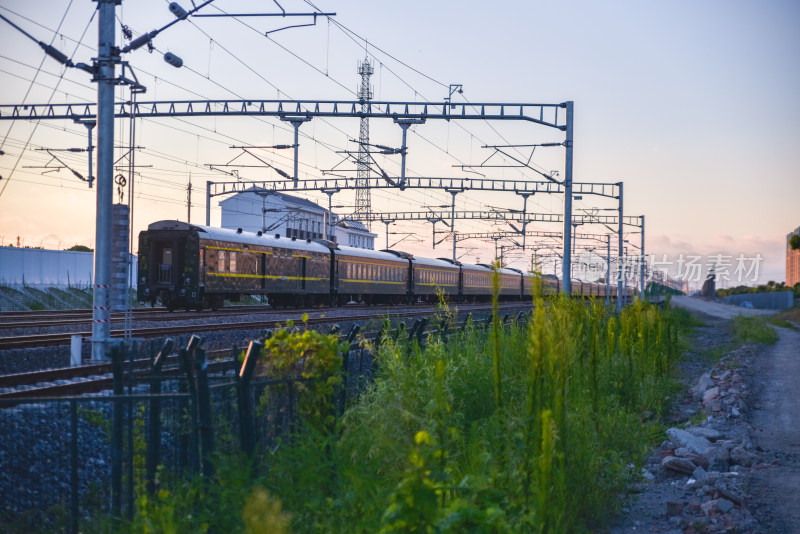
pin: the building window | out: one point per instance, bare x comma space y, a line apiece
221, 260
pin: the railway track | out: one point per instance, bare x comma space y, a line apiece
94, 378
64, 338
71, 318
40, 319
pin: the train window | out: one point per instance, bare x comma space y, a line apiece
202, 258
221, 259
233, 262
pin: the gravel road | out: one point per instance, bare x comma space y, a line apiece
714, 309
776, 429
769, 431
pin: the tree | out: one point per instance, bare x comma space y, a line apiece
80, 248
794, 242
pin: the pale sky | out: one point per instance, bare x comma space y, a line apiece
692, 104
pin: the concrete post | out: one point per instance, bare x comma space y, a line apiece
107, 56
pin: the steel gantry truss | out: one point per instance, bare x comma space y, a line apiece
552, 115
558, 116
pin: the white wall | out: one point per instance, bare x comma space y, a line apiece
48, 268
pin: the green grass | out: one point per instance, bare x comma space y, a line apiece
754, 330
780, 322
529, 428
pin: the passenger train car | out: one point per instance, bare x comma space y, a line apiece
194, 267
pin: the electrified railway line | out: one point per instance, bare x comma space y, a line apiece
63, 338
94, 378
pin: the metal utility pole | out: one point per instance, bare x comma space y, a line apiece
107, 57
363, 200
296, 122
524, 216
566, 268
453, 192
608, 268
208, 202
620, 265
189, 201
387, 222
644, 261
329, 228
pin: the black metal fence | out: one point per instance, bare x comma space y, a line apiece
65, 462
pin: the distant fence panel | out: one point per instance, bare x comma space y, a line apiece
776, 300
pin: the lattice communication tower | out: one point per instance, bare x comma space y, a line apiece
363, 200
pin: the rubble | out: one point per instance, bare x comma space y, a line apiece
704, 464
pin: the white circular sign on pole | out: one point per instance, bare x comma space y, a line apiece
590, 267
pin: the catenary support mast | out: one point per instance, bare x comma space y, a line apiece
566, 267
107, 57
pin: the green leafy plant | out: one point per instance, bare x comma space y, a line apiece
754, 330
315, 359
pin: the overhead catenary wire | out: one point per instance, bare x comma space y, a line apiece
36, 124
314, 138
408, 170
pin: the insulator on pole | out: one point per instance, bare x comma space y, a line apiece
177, 10
173, 60
140, 41
56, 54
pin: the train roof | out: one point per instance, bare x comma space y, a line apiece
243, 238
471, 267
369, 253
434, 262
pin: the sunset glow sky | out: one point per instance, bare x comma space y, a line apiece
693, 105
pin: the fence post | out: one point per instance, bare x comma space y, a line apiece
154, 429
467, 320
206, 418
73, 465
351, 336
421, 330
245, 398
189, 408
116, 431
413, 331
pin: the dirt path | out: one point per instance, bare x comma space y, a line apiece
775, 421
758, 489
714, 309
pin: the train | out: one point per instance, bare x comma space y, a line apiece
191, 266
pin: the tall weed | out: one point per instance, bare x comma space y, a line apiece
525, 428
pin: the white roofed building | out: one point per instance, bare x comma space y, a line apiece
354, 234
271, 212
